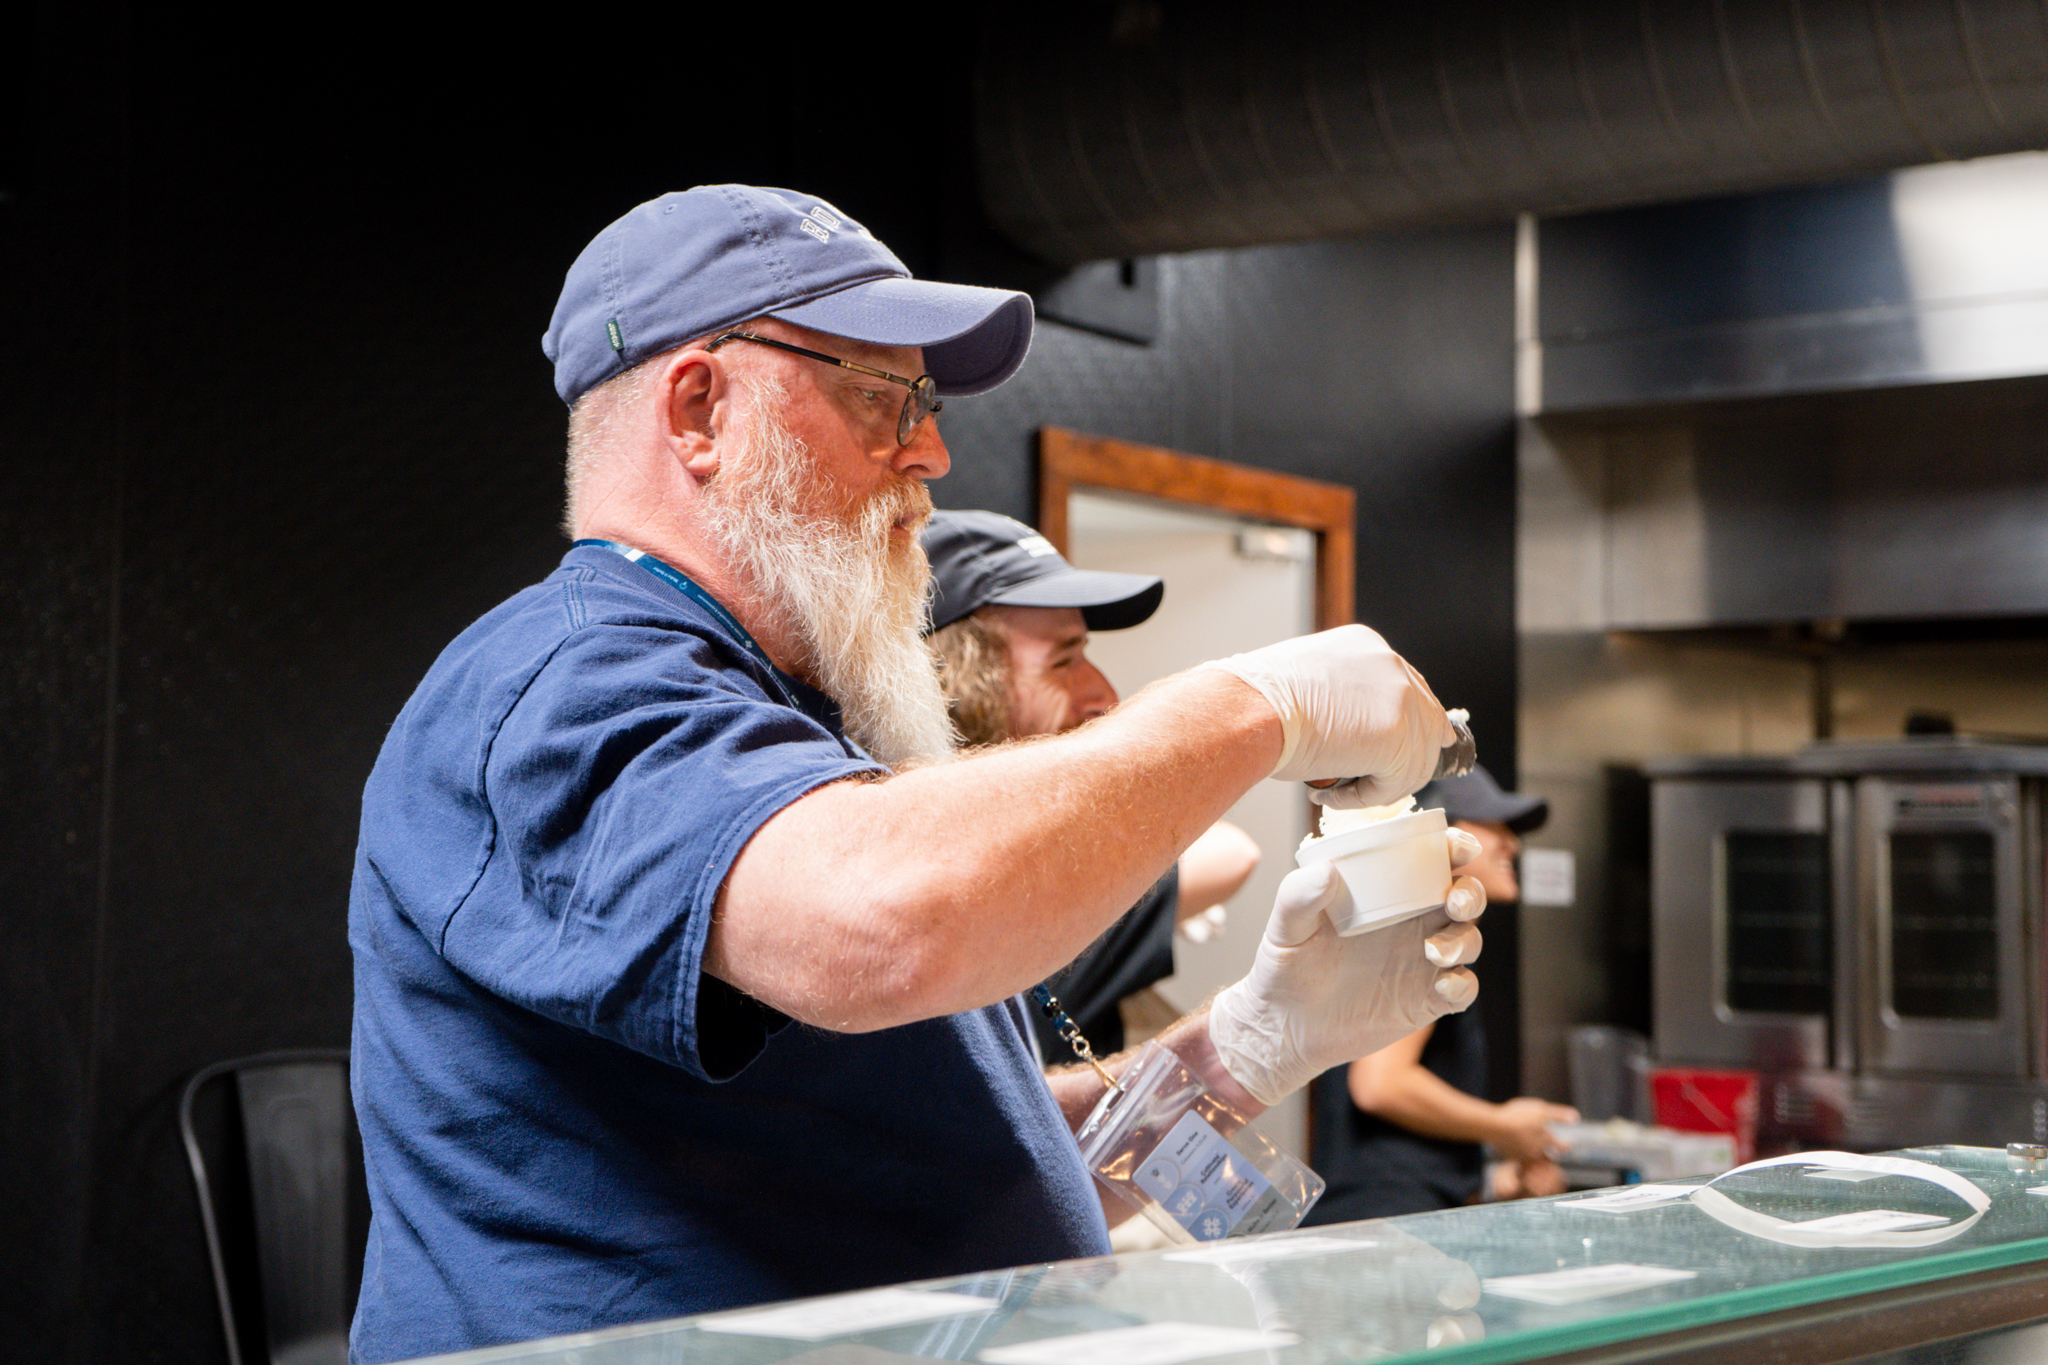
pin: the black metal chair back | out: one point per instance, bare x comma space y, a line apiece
278, 1166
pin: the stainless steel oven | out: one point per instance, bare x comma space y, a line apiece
1863, 925
1951, 872
1743, 911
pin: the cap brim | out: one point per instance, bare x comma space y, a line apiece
1108, 601
1477, 797
1519, 813
1532, 812
973, 338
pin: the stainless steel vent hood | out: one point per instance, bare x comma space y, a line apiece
1937, 273
1822, 405
1901, 506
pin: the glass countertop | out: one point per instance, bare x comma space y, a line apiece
1494, 1283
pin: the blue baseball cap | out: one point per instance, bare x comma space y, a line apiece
983, 558
698, 261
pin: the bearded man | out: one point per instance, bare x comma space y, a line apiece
686, 967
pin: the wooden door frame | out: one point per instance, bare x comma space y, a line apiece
1068, 460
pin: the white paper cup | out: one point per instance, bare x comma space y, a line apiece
1391, 869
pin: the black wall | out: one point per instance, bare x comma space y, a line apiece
274, 425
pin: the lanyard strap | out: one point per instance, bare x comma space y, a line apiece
682, 583
1070, 1032
676, 579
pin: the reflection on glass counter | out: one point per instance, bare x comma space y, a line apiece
1527, 1281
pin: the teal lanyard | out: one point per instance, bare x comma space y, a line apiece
682, 584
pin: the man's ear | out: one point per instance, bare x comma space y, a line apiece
694, 398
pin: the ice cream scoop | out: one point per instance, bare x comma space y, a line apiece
1456, 759
1461, 753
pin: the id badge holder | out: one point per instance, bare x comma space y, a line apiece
1159, 1145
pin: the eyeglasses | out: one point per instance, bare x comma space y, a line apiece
921, 402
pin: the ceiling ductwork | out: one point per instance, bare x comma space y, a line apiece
1143, 127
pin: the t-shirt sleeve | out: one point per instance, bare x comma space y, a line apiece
622, 783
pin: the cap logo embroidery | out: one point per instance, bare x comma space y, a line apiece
821, 223
1038, 547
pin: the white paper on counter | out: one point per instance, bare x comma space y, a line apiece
1854, 1177
1818, 1232
1154, 1343
867, 1311
1271, 1249
1581, 1283
1630, 1199
1873, 1220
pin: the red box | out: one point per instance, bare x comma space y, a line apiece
1694, 1101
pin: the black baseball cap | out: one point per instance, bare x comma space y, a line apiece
1476, 796
981, 558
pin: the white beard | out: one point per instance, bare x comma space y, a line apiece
851, 597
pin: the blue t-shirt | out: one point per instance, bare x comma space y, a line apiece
566, 1123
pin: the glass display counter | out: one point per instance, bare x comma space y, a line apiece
1816, 1260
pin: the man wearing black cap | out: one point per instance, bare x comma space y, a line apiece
1010, 620
685, 960
1399, 1131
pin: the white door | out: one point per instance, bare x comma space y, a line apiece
1231, 585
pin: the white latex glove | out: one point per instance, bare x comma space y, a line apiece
1313, 1000
1350, 708
1205, 927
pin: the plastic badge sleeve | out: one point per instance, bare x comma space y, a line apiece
1159, 1144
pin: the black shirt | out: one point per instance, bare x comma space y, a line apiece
1378, 1169
1132, 953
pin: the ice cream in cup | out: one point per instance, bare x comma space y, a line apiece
1394, 863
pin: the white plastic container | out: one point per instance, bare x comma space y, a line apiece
1392, 869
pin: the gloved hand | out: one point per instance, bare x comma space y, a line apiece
1349, 708
1313, 1000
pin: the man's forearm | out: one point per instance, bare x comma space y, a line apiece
1423, 1102
865, 905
